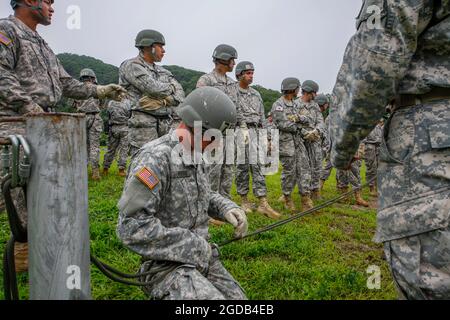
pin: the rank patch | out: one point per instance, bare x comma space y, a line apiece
148, 177
4, 39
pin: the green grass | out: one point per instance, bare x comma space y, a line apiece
322, 256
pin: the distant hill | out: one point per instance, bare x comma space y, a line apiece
107, 73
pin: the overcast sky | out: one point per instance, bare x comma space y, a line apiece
283, 38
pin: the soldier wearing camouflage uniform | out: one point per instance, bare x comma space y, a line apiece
313, 134
250, 116
224, 60
94, 123
165, 206
324, 102
404, 57
293, 154
118, 115
32, 79
153, 91
371, 152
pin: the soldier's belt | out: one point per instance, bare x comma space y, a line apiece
408, 100
96, 112
157, 116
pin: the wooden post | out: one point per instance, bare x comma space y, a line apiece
57, 201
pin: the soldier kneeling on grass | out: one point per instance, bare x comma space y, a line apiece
166, 205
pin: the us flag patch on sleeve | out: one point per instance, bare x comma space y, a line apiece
148, 177
4, 39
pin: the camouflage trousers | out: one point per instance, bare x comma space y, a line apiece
414, 199
94, 128
315, 157
187, 283
371, 160
420, 265
327, 168
117, 143
221, 177
296, 170
352, 176
243, 178
143, 128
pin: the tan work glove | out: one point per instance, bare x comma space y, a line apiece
32, 108
151, 104
238, 219
111, 91
312, 136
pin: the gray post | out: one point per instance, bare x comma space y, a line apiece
57, 201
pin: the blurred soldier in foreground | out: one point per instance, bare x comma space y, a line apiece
224, 57
293, 154
250, 116
32, 80
153, 91
118, 115
166, 203
313, 133
94, 123
401, 54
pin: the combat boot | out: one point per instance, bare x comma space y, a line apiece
266, 209
315, 195
373, 191
105, 171
288, 203
215, 223
307, 203
95, 174
122, 173
246, 205
359, 200
21, 256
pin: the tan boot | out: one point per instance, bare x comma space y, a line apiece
315, 195
246, 205
105, 171
21, 257
122, 173
215, 223
266, 209
95, 174
288, 203
359, 200
307, 203
373, 191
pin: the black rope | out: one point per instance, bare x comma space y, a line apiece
114, 274
297, 216
18, 231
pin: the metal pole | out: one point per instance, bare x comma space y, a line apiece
57, 201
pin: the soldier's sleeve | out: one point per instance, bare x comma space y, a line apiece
73, 88
137, 76
203, 81
11, 92
281, 121
219, 205
140, 229
321, 123
262, 116
179, 94
376, 58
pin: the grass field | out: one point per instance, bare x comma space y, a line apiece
323, 256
